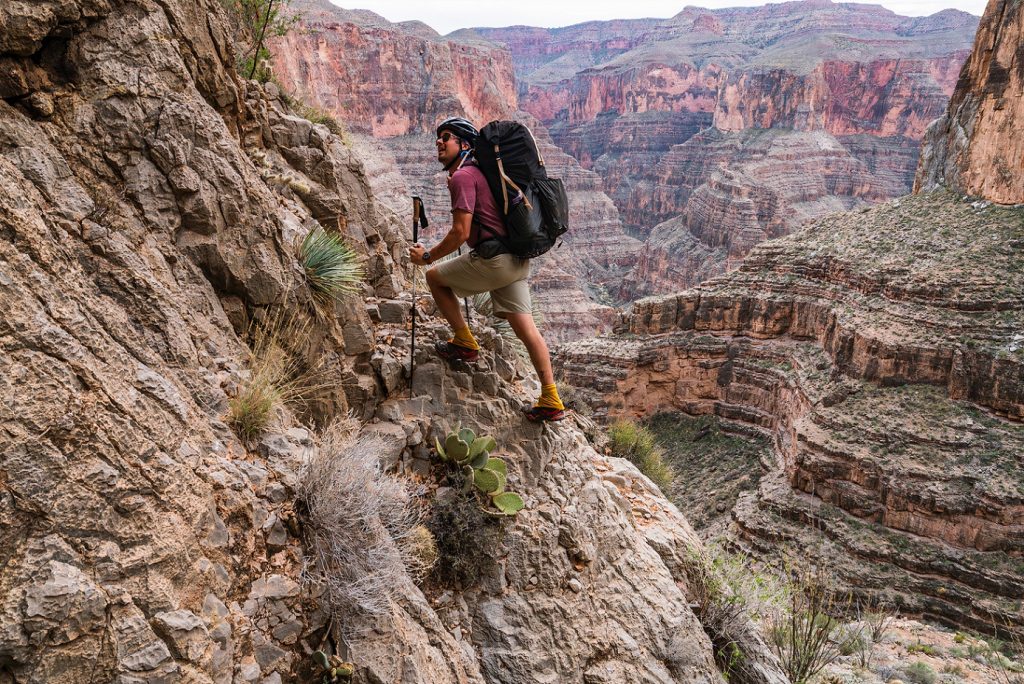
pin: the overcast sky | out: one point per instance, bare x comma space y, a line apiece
448, 15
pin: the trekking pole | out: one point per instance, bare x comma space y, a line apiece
465, 300
419, 218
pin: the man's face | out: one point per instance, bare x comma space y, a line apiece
448, 147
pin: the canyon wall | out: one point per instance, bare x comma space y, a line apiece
976, 147
881, 351
633, 100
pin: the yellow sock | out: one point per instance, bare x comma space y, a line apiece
549, 397
464, 338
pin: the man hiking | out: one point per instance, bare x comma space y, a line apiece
486, 268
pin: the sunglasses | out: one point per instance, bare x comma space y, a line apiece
446, 136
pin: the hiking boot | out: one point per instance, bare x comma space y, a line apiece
455, 352
540, 414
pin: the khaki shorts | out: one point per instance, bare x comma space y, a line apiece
504, 276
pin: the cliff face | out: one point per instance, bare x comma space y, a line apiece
976, 147
150, 202
629, 98
864, 346
381, 78
737, 190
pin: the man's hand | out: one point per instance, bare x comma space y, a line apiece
416, 254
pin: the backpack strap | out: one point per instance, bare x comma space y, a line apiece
505, 180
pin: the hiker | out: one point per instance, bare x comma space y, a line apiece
486, 268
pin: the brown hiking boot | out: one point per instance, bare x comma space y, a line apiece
452, 352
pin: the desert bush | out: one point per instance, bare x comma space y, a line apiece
277, 375
804, 634
258, 20
361, 525
331, 267
731, 593
919, 673
466, 538
637, 444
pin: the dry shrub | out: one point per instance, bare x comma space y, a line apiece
804, 633
362, 525
467, 539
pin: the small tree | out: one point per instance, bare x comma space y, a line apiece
258, 20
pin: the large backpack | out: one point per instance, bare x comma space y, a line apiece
535, 208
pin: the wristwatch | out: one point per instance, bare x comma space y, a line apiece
426, 256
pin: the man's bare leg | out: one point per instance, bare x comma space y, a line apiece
447, 302
526, 330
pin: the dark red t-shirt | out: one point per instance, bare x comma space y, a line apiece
470, 192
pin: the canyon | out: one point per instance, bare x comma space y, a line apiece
707, 132
881, 352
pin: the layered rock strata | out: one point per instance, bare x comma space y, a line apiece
625, 97
869, 348
149, 216
729, 192
976, 147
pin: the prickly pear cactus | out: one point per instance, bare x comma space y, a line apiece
335, 670
488, 476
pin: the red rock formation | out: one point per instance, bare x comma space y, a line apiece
381, 78
977, 146
854, 71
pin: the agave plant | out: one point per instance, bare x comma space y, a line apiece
488, 475
331, 267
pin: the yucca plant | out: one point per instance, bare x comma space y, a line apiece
332, 268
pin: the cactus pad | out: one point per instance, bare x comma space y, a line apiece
509, 503
478, 461
440, 449
467, 435
497, 465
486, 480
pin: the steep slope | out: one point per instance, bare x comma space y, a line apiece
150, 201
976, 147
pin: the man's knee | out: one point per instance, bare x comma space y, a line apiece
433, 278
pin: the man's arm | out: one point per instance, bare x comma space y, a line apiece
461, 223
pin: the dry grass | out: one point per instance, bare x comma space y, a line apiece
362, 526
278, 376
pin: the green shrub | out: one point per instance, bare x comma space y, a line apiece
920, 673
927, 649
637, 444
258, 20
331, 267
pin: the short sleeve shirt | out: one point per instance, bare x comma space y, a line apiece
470, 192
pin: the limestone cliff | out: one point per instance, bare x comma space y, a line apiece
150, 202
976, 147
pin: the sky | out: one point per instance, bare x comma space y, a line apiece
449, 15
